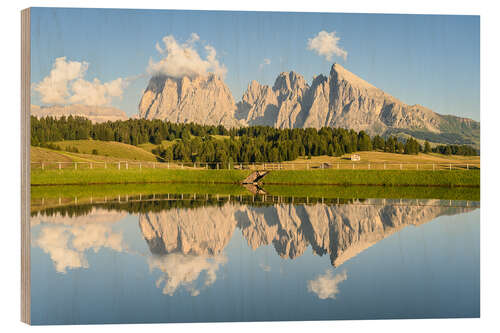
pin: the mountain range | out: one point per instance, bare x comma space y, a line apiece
341, 99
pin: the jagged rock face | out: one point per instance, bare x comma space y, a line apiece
342, 231
96, 114
201, 231
340, 100
359, 104
203, 100
280, 106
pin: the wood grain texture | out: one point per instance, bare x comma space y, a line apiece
25, 166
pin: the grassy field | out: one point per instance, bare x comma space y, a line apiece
131, 176
108, 149
285, 177
115, 151
392, 161
374, 177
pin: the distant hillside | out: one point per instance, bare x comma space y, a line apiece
96, 114
90, 150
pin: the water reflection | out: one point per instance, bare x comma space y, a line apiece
326, 285
187, 239
66, 239
340, 231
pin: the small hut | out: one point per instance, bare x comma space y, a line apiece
355, 157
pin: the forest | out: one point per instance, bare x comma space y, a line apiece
205, 143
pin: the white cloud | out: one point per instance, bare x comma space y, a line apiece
266, 61
53, 89
326, 285
326, 45
183, 59
66, 84
95, 92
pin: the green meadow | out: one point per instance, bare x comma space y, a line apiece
450, 178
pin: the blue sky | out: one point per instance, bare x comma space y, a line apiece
430, 60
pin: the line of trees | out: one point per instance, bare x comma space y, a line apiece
199, 143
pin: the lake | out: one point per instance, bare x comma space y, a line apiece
210, 257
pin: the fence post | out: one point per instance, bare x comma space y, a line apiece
368, 166
119, 165
467, 166
59, 165
76, 165
353, 165
90, 165
168, 165
433, 167
140, 166
42, 165
401, 166
417, 166
450, 166
307, 165
105, 165
182, 165
384, 166
126, 165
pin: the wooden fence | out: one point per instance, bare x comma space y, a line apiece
126, 165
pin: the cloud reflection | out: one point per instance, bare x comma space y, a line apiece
191, 272
326, 285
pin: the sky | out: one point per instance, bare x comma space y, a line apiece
107, 56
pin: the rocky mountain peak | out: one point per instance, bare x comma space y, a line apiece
289, 82
339, 74
201, 99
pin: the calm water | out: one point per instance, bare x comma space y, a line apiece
227, 260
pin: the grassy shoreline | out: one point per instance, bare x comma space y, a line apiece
84, 192
450, 178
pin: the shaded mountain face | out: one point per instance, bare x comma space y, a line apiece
342, 99
204, 100
96, 114
341, 231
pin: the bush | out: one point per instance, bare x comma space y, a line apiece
95, 152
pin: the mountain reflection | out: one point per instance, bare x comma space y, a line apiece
341, 231
186, 244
